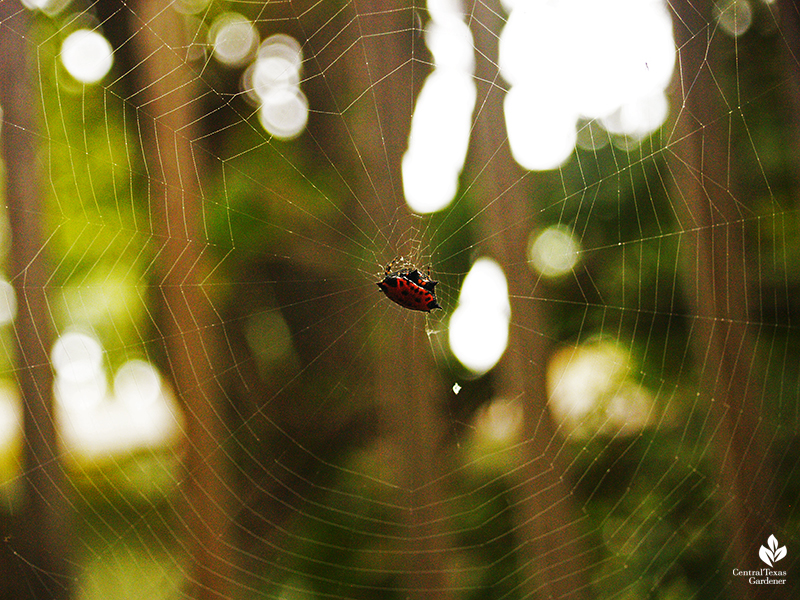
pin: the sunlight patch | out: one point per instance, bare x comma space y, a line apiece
639, 117
440, 125
479, 325
277, 66
500, 420
591, 389
273, 82
10, 435
592, 136
48, 7
87, 56
284, 113
542, 132
553, 252
233, 39
96, 422
734, 16
583, 58
76, 356
8, 302
137, 385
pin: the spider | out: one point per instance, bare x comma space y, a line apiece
408, 287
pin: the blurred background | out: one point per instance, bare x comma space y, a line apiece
203, 393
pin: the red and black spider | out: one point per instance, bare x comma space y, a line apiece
409, 288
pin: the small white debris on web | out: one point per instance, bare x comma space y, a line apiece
456, 388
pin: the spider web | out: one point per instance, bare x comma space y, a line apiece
307, 438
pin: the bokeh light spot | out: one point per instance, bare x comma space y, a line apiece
233, 38
478, 329
542, 133
442, 119
48, 7
591, 136
80, 382
734, 16
76, 356
639, 117
284, 112
591, 389
8, 302
591, 59
87, 56
137, 384
273, 82
553, 252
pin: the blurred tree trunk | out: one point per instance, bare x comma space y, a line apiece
42, 568
789, 20
552, 555
712, 225
169, 114
409, 389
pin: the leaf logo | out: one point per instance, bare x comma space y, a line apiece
773, 553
